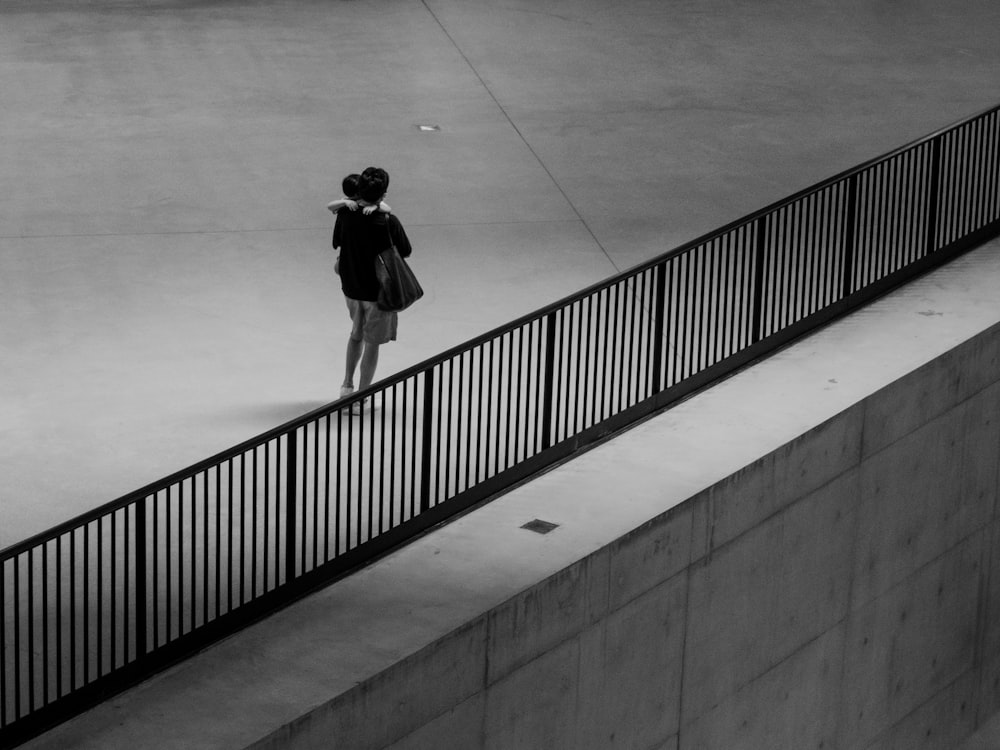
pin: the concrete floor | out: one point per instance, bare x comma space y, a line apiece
166, 285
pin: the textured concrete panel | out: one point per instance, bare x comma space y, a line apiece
940, 723
535, 706
630, 667
397, 701
762, 596
820, 455
461, 728
907, 404
790, 707
817, 555
734, 506
545, 615
911, 642
989, 647
981, 453
650, 555
732, 597
912, 508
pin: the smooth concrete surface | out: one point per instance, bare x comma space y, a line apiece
166, 285
800, 554
986, 737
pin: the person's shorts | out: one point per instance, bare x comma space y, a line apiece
371, 325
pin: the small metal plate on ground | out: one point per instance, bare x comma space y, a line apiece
539, 526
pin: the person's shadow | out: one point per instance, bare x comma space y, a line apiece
274, 414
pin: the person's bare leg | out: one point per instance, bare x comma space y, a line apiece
369, 361
354, 349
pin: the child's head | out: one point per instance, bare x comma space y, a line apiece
350, 185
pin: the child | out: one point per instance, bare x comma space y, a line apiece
350, 188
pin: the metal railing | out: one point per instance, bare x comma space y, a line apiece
102, 601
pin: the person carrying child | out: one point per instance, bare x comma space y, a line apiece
360, 236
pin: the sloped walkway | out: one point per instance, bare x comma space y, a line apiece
243, 689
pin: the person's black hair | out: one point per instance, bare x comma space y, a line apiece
371, 187
350, 185
377, 173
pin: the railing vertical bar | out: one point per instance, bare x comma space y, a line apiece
381, 454
945, 186
140, 577
634, 301
721, 296
254, 512
46, 649
180, 559
86, 605
17, 637
521, 371
979, 161
113, 594
814, 253
794, 263
218, 541
961, 198
391, 499
337, 483
697, 296
30, 658
614, 404
715, 278
971, 177
360, 515
579, 366
413, 449
547, 394
193, 606
588, 410
898, 213
3, 644
933, 196
757, 314
230, 559
450, 420
849, 233
203, 580
438, 433
730, 290
510, 453
565, 369
336, 495
481, 351
99, 630
993, 171
291, 500
266, 523
878, 222
59, 615
469, 419
425, 469
496, 365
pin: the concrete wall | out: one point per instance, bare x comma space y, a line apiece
841, 592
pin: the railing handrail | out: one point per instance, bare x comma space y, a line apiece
297, 422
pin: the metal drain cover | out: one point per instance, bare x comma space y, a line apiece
539, 526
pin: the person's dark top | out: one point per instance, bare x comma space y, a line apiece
360, 239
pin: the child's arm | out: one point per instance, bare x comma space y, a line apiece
333, 206
382, 207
